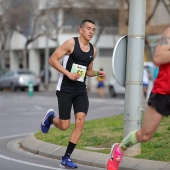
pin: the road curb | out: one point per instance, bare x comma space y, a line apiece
31, 144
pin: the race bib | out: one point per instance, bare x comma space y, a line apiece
80, 70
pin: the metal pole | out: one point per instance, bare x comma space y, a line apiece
1, 58
46, 50
134, 70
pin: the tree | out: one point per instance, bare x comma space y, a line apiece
150, 14
16, 16
104, 14
23, 17
5, 30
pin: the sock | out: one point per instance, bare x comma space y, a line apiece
70, 149
50, 119
129, 140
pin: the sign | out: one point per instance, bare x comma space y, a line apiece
119, 60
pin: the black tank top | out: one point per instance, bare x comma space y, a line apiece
78, 61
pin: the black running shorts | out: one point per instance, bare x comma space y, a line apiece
79, 101
161, 103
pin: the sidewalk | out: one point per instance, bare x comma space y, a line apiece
30, 143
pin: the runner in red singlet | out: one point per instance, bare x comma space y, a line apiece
158, 104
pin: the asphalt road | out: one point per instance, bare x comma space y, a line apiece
21, 115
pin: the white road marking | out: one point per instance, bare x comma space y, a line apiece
39, 108
13, 136
24, 162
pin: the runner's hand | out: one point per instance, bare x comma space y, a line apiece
73, 76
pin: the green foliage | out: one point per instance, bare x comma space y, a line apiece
102, 133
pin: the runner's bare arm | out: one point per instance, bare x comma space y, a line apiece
65, 49
162, 51
90, 71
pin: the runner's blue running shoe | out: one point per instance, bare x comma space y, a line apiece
66, 163
45, 124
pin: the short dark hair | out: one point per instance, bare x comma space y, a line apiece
86, 20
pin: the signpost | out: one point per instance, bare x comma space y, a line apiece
119, 60
127, 63
134, 71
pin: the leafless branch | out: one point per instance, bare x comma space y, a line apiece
153, 12
166, 6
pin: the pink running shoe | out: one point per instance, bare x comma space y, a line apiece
114, 158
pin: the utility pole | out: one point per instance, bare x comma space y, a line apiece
134, 70
46, 49
2, 54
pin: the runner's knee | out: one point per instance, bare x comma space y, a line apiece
80, 121
64, 125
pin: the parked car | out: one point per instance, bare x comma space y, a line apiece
2, 72
115, 88
19, 80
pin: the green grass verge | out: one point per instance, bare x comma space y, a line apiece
102, 133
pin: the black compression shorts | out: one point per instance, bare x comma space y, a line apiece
161, 103
66, 100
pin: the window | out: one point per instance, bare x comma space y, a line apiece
105, 52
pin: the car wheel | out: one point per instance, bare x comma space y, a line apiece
1, 88
13, 88
36, 88
112, 91
22, 88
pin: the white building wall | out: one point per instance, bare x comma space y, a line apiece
106, 64
17, 41
105, 41
54, 75
34, 61
40, 43
14, 60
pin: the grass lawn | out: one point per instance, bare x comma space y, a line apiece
102, 133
